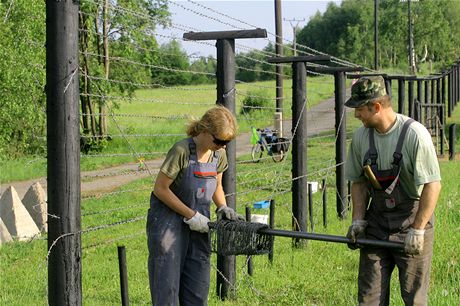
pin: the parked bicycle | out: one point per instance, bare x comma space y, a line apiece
269, 142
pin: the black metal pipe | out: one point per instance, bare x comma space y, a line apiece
442, 121
324, 203
401, 96
123, 275
332, 238
272, 225
340, 143
452, 138
418, 102
310, 206
410, 93
449, 94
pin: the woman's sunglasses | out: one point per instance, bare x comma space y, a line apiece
219, 142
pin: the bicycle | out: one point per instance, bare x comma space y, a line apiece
269, 142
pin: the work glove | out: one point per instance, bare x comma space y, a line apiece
413, 244
356, 230
227, 213
198, 223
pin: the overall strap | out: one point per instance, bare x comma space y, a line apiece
192, 149
372, 152
397, 156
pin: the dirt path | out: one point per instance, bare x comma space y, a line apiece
319, 118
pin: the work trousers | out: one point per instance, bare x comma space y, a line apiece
377, 264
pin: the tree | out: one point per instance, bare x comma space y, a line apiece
22, 78
346, 31
172, 62
117, 44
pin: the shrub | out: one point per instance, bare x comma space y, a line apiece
256, 100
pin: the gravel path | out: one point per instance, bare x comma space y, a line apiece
319, 118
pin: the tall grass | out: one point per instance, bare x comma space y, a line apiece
321, 273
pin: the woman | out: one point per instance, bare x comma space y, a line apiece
177, 224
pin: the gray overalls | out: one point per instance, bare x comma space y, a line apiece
389, 215
179, 259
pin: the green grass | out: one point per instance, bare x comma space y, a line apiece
321, 273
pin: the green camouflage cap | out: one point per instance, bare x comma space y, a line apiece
365, 90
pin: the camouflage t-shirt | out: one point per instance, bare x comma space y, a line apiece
419, 161
176, 161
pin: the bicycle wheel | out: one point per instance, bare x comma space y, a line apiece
256, 152
277, 157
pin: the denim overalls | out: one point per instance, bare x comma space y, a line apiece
389, 215
179, 259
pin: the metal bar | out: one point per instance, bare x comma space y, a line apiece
340, 143
324, 203
272, 225
452, 137
401, 97
310, 206
332, 238
410, 98
123, 275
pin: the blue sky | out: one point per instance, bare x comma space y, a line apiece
230, 15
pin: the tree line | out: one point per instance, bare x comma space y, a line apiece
347, 31
109, 38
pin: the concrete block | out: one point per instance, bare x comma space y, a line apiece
35, 202
16, 217
4, 233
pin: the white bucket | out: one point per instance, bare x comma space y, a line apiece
259, 218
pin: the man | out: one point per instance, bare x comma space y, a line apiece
395, 177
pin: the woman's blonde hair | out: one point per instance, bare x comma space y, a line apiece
218, 121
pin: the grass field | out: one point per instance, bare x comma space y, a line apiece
320, 273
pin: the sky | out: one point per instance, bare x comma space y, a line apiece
219, 15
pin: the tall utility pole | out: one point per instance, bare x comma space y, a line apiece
294, 30
376, 35
279, 53
410, 39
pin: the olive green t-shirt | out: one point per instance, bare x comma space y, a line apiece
419, 159
176, 161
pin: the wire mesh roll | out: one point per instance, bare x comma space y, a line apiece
239, 238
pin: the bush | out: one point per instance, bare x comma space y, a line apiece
256, 100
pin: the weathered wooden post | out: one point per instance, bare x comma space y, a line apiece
63, 150
299, 142
226, 96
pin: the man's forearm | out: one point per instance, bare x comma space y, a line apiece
427, 204
360, 198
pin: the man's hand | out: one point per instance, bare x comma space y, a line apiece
413, 244
227, 213
198, 223
355, 231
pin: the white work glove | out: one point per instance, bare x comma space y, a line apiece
198, 223
227, 213
413, 244
355, 231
